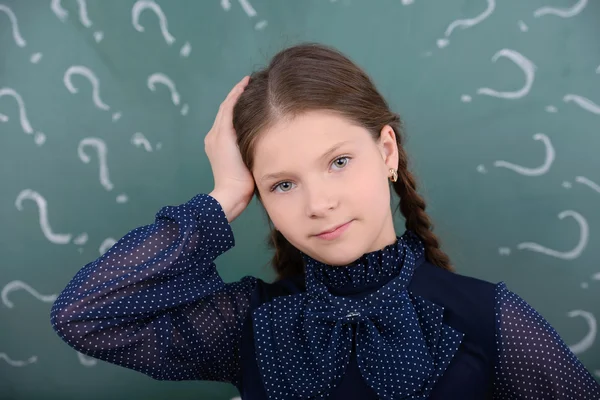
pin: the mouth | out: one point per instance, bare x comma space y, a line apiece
334, 232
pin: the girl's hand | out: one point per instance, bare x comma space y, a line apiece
234, 183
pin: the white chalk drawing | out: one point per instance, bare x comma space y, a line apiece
522, 62
466, 23
86, 361
18, 363
139, 140
62, 14
585, 181
185, 109
91, 77
583, 102
20, 285
249, 10
166, 81
504, 251
57, 9
36, 57
561, 12
106, 244
39, 137
81, 239
142, 5
101, 151
588, 340
567, 255
523, 26
87, 73
542, 169
407, 2
551, 109
42, 204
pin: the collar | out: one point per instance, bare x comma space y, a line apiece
304, 341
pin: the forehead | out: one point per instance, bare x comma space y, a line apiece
305, 137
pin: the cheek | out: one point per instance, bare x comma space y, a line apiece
372, 197
280, 218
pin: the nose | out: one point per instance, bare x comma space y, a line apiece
320, 198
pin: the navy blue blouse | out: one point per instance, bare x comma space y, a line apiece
388, 326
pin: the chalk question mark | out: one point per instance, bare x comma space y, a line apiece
39, 137
561, 12
17, 363
87, 73
102, 151
588, 340
466, 23
139, 140
42, 204
522, 62
165, 80
36, 57
20, 285
251, 12
541, 170
62, 14
142, 5
567, 255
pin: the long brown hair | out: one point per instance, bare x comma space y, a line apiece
313, 76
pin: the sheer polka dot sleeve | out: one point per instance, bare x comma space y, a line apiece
533, 361
155, 303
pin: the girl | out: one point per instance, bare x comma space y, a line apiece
357, 312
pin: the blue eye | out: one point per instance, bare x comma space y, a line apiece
278, 184
342, 158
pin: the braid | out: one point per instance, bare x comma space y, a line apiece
412, 206
287, 260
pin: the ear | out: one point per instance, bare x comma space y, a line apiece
388, 147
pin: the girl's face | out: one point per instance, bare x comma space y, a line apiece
318, 171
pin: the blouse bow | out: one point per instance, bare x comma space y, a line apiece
304, 341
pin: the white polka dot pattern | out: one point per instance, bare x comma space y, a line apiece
304, 341
533, 361
154, 302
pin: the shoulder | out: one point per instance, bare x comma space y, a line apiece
469, 303
434, 282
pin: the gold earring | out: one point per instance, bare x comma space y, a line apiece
394, 176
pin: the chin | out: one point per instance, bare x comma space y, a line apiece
340, 259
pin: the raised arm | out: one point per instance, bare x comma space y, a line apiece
155, 302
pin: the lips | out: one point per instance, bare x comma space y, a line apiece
332, 229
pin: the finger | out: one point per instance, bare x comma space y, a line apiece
229, 103
240, 85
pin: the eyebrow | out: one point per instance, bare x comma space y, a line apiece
331, 150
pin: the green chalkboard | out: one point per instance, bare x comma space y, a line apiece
104, 106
